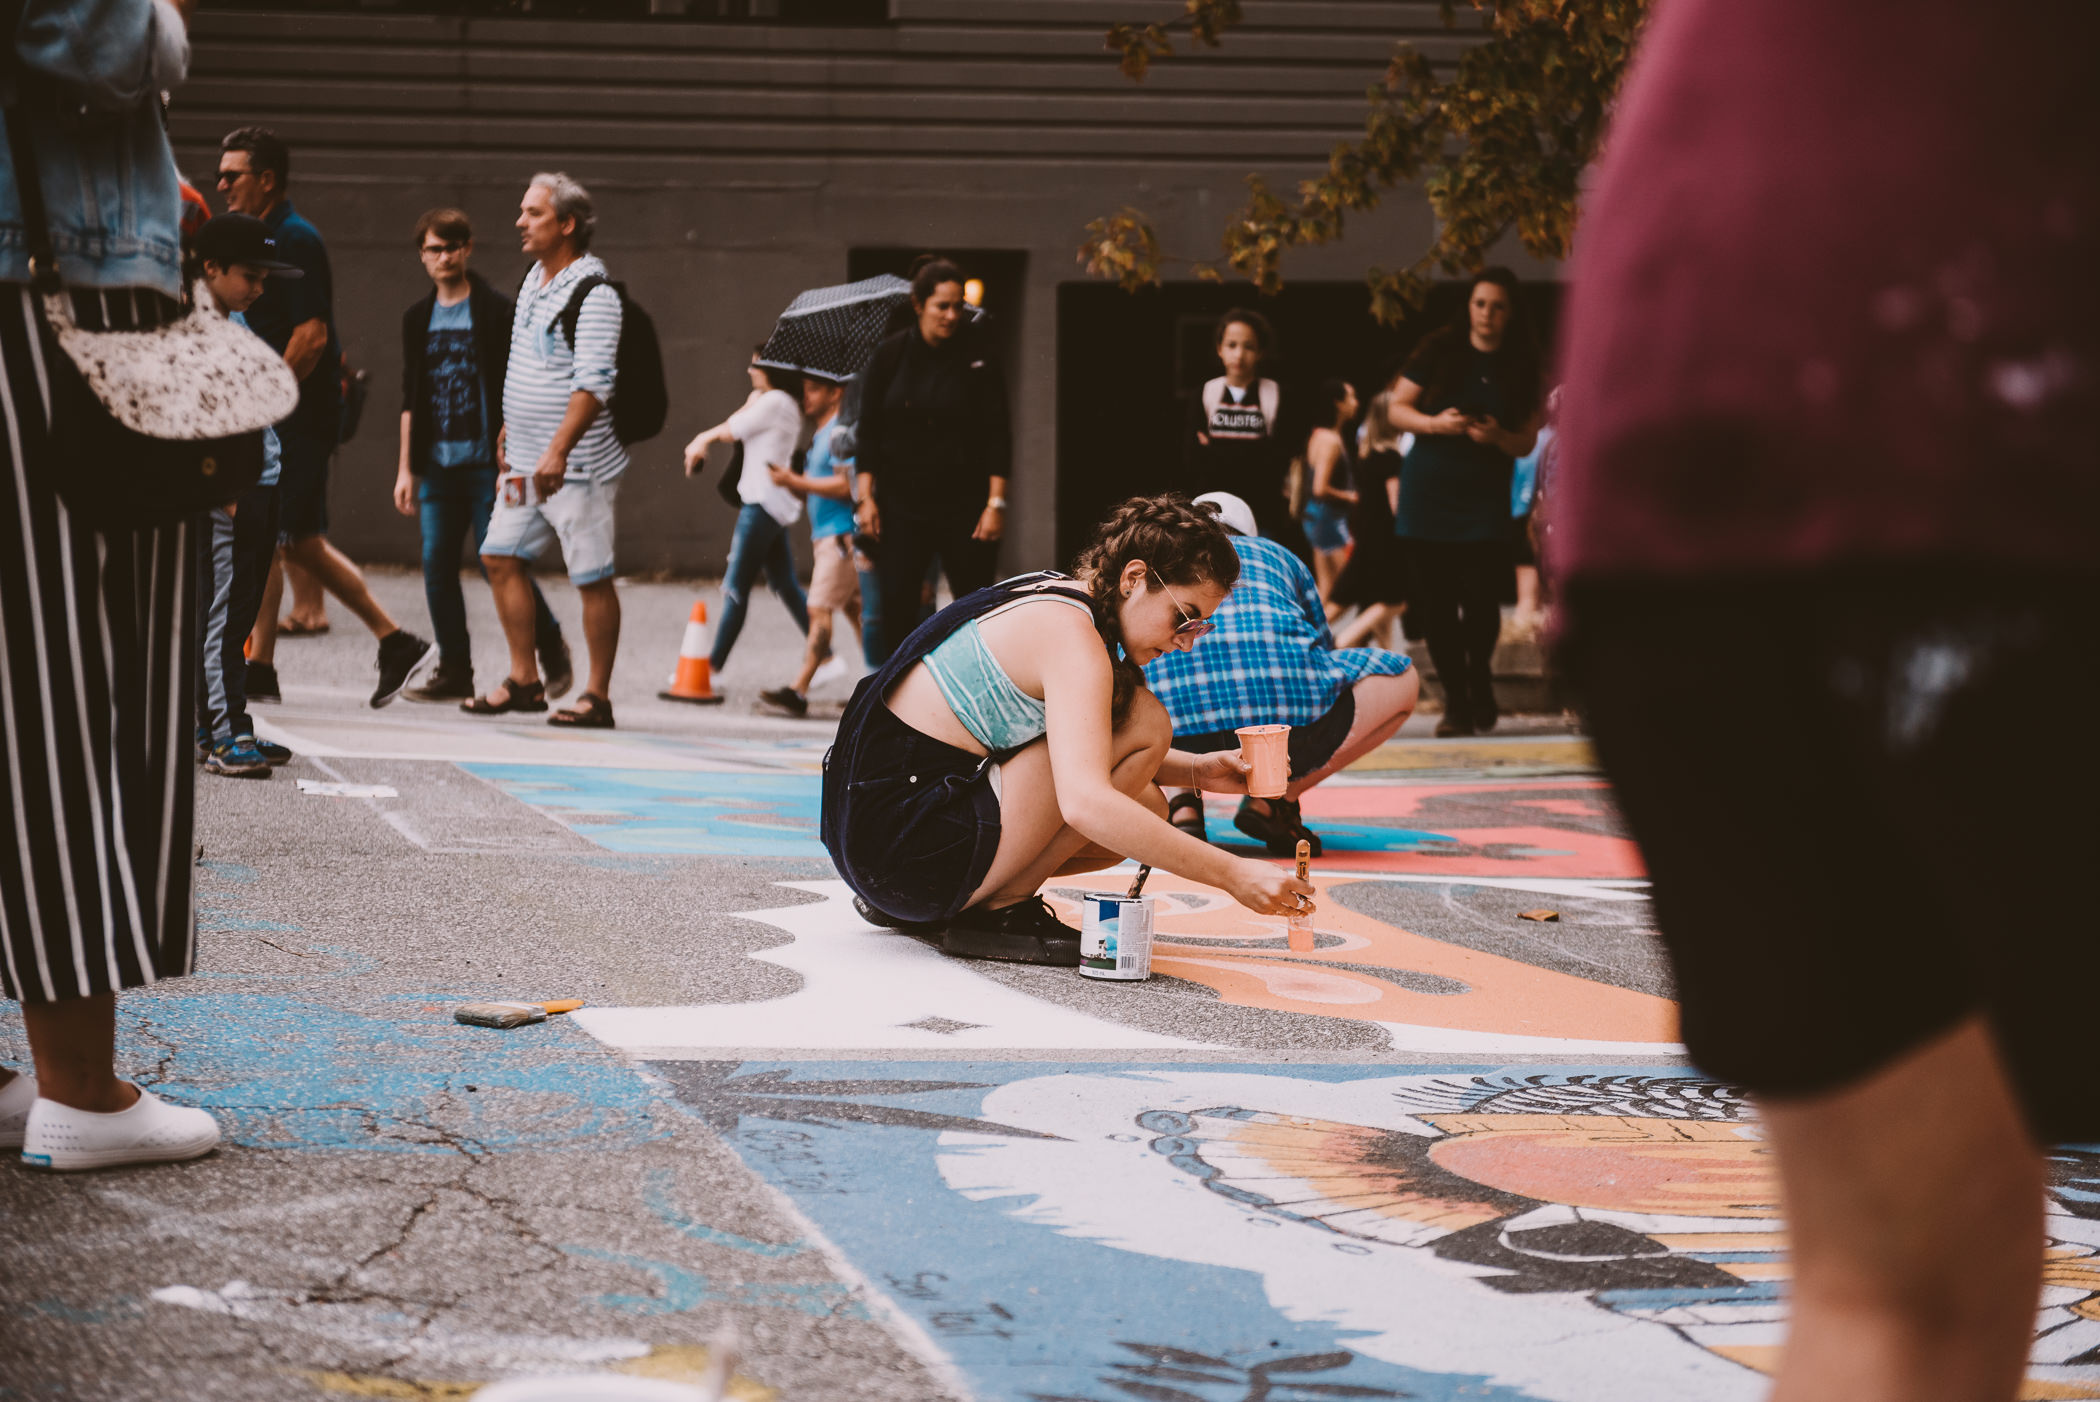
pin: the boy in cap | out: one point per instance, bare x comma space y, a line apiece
237, 255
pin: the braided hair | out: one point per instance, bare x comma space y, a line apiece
1178, 543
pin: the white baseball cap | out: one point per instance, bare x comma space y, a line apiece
1236, 515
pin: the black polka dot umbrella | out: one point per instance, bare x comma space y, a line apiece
832, 332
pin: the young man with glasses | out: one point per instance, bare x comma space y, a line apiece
297, 318
455, 347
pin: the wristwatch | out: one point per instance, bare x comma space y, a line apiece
996, 504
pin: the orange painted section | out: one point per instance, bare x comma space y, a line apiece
1501, 995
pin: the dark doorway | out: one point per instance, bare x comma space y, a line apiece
1129, 363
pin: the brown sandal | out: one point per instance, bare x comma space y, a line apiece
591, 712
516, 696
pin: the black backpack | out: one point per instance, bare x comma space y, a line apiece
640, 401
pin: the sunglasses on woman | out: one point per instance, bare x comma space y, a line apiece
1193, 624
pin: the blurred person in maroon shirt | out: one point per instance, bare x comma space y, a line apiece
1833, 344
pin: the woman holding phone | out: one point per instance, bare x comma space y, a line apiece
1470, 395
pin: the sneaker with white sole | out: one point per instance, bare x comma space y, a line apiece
833, 669
152, 1131
15, 1099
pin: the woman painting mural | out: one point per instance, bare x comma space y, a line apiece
1012, 740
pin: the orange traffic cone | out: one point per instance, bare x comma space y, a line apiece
693, 681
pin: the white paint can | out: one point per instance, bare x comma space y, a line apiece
1115, 936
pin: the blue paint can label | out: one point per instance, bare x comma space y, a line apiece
1115, 936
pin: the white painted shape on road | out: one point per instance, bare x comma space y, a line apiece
862, 987
1390, 1300
330, 789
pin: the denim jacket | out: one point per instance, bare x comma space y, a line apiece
95, 71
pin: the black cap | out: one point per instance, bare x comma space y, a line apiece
227, 239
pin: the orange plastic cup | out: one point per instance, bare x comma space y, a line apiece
1266, 748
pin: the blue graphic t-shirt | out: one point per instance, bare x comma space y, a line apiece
459, 426
828, 516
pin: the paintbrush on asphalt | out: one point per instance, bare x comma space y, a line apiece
511, 1014
1139, 884
1299, 932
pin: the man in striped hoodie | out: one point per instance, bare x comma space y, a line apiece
560, 460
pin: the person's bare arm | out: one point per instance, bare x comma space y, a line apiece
991, 522
1516, 444
836, 486
303, 351
1402, 408
405, 480
1325, 452
584, 407
1077, 688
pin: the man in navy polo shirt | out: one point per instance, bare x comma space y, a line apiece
297, 318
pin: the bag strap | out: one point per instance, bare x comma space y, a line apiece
574, 311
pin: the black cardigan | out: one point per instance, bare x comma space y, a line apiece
933, 421
491, 311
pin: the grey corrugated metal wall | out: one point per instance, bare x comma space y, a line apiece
735, 164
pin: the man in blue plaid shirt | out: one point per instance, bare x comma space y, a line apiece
1272, 661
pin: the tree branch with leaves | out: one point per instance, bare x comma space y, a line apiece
1498, 146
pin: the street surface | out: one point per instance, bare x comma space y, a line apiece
1448, 1153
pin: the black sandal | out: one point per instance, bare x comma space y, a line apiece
517, 696
591, 712
1280, 829
1188, 803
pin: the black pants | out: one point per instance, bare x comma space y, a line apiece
233, 565
912, 535
1455, 591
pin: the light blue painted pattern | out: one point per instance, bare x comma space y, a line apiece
668, 812
659, 813
288, 1073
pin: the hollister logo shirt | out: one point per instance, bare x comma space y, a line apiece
1238, 418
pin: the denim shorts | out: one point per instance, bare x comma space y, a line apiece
1326, 525
911, 821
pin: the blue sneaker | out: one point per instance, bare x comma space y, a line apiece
270, 750
238, 759
203, 744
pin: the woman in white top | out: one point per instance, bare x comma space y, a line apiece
767, 427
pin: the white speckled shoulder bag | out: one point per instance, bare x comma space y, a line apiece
156, 413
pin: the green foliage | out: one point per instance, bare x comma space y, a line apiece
1498, 145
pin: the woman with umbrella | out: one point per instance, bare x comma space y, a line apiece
934, 450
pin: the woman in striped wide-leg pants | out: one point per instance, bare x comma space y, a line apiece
97, 659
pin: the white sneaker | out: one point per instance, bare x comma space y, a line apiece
832, 669
15, 1099
152, 1131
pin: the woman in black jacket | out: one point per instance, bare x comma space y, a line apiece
935, 450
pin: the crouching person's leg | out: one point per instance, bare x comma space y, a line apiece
1006, 919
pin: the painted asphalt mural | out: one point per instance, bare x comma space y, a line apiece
1448, 1152
1202, 1231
